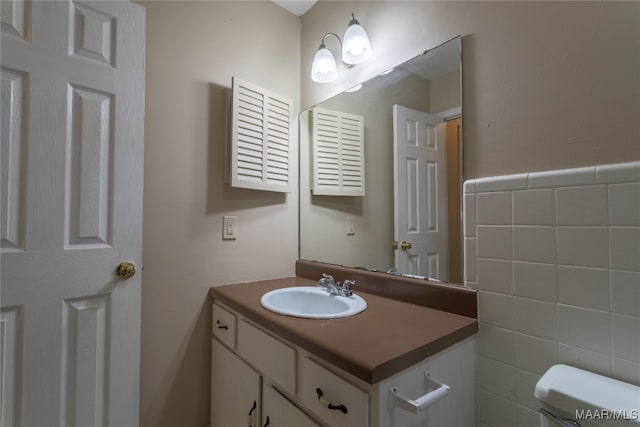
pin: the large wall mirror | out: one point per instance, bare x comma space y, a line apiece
409, 219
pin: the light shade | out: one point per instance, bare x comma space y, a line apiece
356, 47
324, 68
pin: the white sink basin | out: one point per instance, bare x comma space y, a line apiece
312, 302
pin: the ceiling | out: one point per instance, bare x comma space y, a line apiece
297, 7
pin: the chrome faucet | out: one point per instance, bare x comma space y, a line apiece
334, 288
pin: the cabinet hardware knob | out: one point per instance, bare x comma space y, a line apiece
255, 405
221, 325
329, 405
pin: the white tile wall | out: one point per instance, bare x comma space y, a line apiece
534, 280
624, 206
625, 248
584, 328
535, 354
589, 360
557, 268
583, 287
625, 294
494, 208
495, 241
581, 205
496, 343
536, 244
495, 275
583, 246
496, 309
534, 207
535, 317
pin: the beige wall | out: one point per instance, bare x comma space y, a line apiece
547, 85
193, 50
445, 92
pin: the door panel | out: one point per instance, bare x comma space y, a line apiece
71, 194
15, 86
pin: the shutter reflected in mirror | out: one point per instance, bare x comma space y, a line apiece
338, 153
260, 157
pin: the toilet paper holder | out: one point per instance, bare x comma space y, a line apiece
436, 390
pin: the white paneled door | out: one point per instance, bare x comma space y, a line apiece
71, 212
420, 193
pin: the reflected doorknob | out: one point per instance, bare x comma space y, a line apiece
125, 270
405, 245
395, 245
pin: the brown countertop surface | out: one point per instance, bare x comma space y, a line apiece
386, 338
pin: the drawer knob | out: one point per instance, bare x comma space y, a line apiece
323, 400
221, 325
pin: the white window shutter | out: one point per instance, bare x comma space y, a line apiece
338, 153
260, 139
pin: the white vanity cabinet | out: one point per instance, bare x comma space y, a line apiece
292, 387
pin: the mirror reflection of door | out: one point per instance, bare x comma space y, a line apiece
420, 194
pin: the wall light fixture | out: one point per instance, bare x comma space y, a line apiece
356, 49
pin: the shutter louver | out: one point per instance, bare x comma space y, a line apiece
260, 139
338, 153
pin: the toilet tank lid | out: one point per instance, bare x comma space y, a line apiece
570, 389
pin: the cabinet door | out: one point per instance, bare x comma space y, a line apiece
278, 411
235, 389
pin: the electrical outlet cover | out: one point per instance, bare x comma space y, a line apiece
229, 227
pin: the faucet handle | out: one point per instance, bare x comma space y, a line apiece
326, 281
346, 287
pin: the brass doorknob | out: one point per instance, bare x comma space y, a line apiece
395, 245
125, 270
405, 245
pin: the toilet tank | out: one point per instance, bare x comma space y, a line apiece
588, 398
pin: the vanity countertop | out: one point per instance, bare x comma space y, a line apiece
386, 338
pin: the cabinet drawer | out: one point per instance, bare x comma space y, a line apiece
224, 326
341, 395
273, 358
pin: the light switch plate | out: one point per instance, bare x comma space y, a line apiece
351, 228
229, 227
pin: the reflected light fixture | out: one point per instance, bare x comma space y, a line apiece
356, 49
